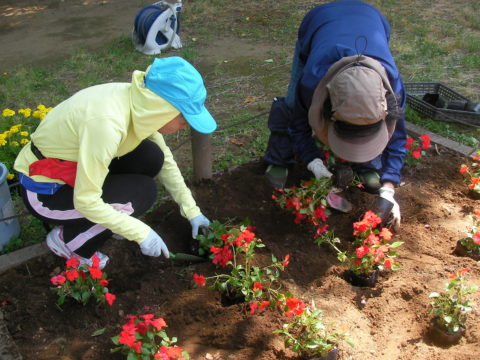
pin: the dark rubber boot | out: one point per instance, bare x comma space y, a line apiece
277, 176
371, 181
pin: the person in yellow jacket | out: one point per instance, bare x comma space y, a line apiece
90, 166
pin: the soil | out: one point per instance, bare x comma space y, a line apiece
388, 321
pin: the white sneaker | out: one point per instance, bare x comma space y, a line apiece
56, 244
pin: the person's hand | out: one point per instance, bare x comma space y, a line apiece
153, 245
197, 222
387, 205
318, 169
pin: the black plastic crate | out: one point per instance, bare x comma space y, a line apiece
416, 91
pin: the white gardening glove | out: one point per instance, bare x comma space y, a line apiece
318, 169
153, 245
387, 194
197, 222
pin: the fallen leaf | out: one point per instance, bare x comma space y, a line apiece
235, 141
268, 61
98, 332
249, 99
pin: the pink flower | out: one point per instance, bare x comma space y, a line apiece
361, 251
58, 279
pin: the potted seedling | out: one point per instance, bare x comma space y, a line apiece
144, 337
373, 251
307, 334
450, 309
471, 176
82, 282
233, 248
470, 245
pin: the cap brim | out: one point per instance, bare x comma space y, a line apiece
203, 122
358, 149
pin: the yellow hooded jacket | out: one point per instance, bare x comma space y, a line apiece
93, 127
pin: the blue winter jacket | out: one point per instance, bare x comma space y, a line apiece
328, 33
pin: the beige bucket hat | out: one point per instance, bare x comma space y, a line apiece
358, 130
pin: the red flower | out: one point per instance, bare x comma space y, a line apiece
409, 142
95, 260
371, 218
199, 279
110, 298
158, 323
127, 337
253, 307
463, 169
425, 141
361, 251
321, 230
72, 262
137, 347
286, 260
319, 213
223, 256
417, 154
264, 304
71, 274
372, 239
104, 282
388, 263
257, 286
295, 306
58, 279
360, 226
142, 328
95, 272
386, 234
299, 217
476, 158
166, 353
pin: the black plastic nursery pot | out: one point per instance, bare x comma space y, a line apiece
441, 337
361, 280
460, 250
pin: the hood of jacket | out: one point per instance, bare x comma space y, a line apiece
149, 113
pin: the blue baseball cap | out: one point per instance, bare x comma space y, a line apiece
178, 82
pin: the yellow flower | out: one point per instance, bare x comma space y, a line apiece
10, 176
14, 143
8, 112
3, 142
23, 141
25, 112
6, 134
14, 129
24, 133
41, 107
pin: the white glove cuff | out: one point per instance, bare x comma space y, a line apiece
387, 193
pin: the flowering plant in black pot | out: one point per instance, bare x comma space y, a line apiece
470, 245
450, 308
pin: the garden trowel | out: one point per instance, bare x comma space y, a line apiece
193, 248
337, 202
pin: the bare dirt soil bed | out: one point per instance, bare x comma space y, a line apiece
390, 325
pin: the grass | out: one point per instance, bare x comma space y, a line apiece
229, 41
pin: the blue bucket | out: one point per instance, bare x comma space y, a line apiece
8, 228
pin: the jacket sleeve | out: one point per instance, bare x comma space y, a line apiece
300, 130
171, 177
98, 144
394, 154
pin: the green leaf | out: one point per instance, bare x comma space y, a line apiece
396, 244
98, 332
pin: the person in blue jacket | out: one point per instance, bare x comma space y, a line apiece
346, 90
